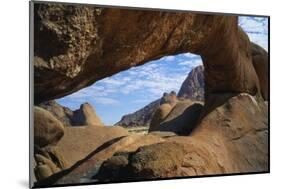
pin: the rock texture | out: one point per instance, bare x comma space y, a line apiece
159, 116
62, 113
74, 51
148, 162
182, 119
47, 162
193, 85
260, 62
233, 138
86, 169
76, 46
85, 115
48, 130
78, 142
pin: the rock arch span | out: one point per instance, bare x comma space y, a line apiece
74, 46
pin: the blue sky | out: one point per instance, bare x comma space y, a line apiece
132, 89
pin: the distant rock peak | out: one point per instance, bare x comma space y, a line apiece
193, 85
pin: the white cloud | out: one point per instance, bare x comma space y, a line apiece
190, 55
168, 58
193, 62
106, 101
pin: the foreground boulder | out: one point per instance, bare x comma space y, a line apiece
48, 130
85, 170
148, 162
238, 133
233, 138
78, 142
47, 161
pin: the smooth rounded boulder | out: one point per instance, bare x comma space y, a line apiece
183, 117
48, 130
159, 115
86, 115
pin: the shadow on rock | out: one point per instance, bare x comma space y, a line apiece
52, 179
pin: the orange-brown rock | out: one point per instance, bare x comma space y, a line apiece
86, 168
233, 138
80, 141
76, 144
260, 62
182, 119
154, 161
48, 130
73, 51
238, 132
62, 113
86, 115
159, 115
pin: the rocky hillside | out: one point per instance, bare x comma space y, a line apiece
192, 88
85, 115
141, 117
193, 85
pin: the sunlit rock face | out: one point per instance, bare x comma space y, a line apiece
88, 45
222, 143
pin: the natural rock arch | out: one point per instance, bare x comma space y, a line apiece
78, 45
